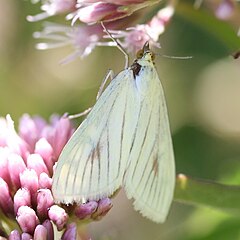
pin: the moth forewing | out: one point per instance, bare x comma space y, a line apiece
88, 165
150, 175
124, 141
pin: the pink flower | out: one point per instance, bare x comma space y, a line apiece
104, 205
57, 133
27, 160
29, 180
100, 11
58, 215
48, 225
95, 11
22, 198
53, 7
40, 232
135, 37
10, 139
27, 219
118, 2
225, 9
86, 210
71, 232
83, 38
6, 203
14, 235
90, 11
44, 202
115, 14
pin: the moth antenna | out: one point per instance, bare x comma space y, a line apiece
175, 57
119, 46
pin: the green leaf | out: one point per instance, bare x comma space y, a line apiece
207, 193
223, 31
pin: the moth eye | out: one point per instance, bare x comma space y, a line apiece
140, 54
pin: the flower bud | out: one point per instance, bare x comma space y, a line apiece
45, 181
12, 140
40, 233
26, 236
27, 219
16, 166
45, 150
58, 215
70, 232
6, 203
14, 235
21, 198
62, 132
35, 162
104, 205
29, 180
86, 210
29, 131
48, 225
44, 202
4, 173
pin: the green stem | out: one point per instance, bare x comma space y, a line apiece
207, 193
8, 224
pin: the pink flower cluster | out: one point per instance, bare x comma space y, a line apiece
115, 14
95, 11
90, 11
27, 162
118, 16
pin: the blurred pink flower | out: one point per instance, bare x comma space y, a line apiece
225, 9
71, 232
26, 161
83, 38
135, 37
90, 11
100, 11
53, 7
119, 2
95, 11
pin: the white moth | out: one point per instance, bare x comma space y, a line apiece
124, 141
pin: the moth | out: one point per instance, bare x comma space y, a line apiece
125, 141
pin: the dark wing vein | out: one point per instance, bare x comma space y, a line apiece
143, 143
122, 133
86, 163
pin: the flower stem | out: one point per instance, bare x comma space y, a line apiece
207, 193
8, 223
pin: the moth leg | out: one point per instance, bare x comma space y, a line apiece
85, 112
110, 75
119, 46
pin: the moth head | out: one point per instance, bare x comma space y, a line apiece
146, 53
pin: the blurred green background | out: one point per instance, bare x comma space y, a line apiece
203, 98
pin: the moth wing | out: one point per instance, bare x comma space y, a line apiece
150, 175
89, 166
